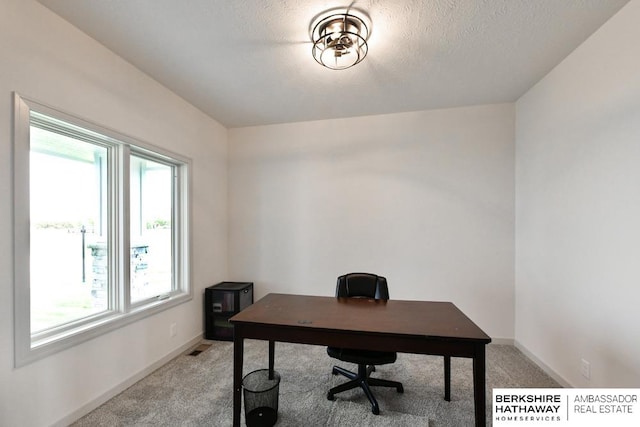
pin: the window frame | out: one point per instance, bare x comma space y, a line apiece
30, 347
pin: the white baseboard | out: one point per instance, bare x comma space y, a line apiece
85, 409
553, 374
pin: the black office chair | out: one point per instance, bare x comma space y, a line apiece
362, 285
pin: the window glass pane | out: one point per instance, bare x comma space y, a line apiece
68, 245
151, 224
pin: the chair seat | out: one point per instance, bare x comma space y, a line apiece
366, 357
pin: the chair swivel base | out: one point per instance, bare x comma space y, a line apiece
363, 380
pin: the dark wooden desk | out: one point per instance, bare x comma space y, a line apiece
436, 328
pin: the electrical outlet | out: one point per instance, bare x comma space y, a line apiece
585, 369
173, 330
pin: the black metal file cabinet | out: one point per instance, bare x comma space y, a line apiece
221, 302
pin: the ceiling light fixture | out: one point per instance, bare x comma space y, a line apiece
340, 40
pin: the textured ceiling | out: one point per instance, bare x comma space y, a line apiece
249, 62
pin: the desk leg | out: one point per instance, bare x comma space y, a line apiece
238, 358
272, 352
447, 378
479, 386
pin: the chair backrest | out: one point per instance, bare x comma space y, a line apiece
363, 285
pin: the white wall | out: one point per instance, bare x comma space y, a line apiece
578, 210
425, 198
44, 58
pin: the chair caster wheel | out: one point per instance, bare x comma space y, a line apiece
400, 389
330, 396
375, 410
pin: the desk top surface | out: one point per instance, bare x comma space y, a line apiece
396, 317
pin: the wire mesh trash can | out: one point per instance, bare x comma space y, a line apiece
261, 398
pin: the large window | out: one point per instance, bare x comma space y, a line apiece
101, 230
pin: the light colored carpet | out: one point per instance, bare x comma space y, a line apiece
197, 390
